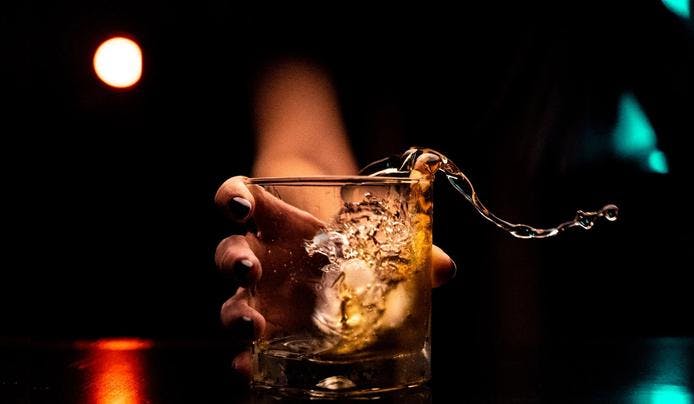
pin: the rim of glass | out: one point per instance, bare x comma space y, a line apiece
331, 180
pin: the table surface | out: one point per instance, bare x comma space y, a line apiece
645, 370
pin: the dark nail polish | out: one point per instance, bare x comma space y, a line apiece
247, 328
242, 269
239, 207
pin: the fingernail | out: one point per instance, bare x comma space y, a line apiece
247, 327
454, 271
242, 269
234, 364
239, 207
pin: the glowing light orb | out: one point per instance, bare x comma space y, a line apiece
118, 62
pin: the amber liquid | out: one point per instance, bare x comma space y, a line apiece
371, 321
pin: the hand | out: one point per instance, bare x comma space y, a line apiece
265, 242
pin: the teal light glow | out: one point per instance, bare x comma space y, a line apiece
667, 379
634, 137
679, 7
657, 162
667, 394
661, 394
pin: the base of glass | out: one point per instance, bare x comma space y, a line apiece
295, 375
278, 393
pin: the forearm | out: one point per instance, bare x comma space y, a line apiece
290, 165
300, 130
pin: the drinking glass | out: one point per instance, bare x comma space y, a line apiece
345, 286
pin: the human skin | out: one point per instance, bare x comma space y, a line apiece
300, 133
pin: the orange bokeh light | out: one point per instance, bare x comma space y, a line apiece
116, 344
118, 62
115, 369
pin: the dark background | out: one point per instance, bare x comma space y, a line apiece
107, 214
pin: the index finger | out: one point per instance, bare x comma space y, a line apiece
235, 199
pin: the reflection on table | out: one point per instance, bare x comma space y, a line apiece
132, 370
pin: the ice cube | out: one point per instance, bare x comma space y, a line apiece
358, 276
397, 306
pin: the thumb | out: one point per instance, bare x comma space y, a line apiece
276, 218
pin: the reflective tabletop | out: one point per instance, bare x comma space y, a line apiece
135, 370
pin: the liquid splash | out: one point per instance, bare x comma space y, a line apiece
370, 255
417, 162
375, 251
